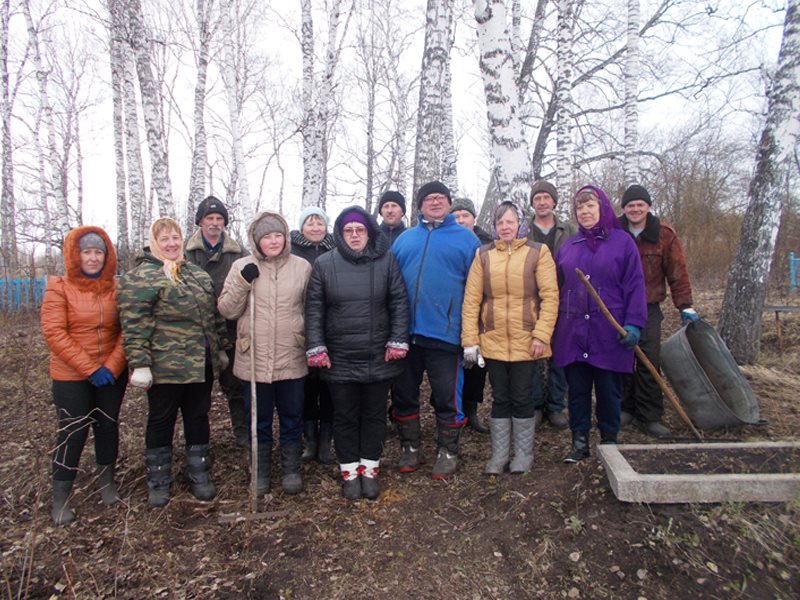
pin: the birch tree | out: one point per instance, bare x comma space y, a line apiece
435, 156
8, 221
631, 168
564, 97
509, 146
740, 319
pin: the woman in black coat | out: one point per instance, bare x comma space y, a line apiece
357, 333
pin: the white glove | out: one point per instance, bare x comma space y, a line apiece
472, 357
142, 377
224, 361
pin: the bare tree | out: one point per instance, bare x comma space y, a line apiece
740, 320
8, 221
631, 94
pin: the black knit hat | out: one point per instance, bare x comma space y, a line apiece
433, 187
392, 196
545, 186
636, 192
208, 206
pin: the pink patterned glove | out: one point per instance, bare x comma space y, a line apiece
395, 354
321, 360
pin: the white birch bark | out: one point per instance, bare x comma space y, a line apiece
230, 77
52, 176
139, 40
8, 222
434, 117
741, 316
631, 143
564, 99
117, 66
311, 143
509, 146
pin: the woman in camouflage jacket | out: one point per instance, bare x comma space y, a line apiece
175, 342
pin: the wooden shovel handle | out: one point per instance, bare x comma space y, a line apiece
673, 399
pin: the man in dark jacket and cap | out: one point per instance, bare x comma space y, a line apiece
214, 251
392, 208
663, 263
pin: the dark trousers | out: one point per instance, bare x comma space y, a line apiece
192, 399
446, 378
318, 405
581, 378
79, 406
474, 382
549, 387
511, 388
285, 396
232, 388
359, 420
641, 395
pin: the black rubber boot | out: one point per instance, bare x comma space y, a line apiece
198, 472
606, 437
471, 412
410, 445
159, 474
264, 475
61, 511
351, 481
310, 441
241, 431
447, 455
106, 485
368, 473
292, 479
580, 447
324, 444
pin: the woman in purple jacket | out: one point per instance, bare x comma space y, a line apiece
586, 345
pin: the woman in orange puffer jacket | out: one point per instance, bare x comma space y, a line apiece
81, 326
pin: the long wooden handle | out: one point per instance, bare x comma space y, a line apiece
253, 406
673, 399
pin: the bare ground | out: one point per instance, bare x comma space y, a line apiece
557, 532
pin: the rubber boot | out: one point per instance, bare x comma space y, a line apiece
368, 472
447, 455
607, 437
471, 412
324, 445
61, 511
292, 479
310, 441
198, 472
410, 445
524, 432
264, 474
241, 432
351, 482
580, 447
106, 485
159, 474
501, 446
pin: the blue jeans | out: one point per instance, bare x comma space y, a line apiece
554, 398
287, 397
582, 377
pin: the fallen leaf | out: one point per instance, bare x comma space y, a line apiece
712, 567
574, 593
642, 574
575, 556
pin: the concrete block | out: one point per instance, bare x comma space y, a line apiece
630, 486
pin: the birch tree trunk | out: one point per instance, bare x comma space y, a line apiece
564, 99
509, 147
117, 64
433, 159
8, 221
631, 164
230, 71
139, 40
740, 319
197, 177
141, 212
52, 176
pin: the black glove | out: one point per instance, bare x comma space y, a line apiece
250, 272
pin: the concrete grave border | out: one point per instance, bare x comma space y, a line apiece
631, 486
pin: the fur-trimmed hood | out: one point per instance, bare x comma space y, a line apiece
287, 248
72, 260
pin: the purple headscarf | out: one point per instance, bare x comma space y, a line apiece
522, 232
608, 220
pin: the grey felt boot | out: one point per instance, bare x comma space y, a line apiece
106, 485
410, 445
501, 446
523, 432
447, 456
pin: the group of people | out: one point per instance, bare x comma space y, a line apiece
325, 325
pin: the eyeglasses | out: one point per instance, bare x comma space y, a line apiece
434, 198
359, 231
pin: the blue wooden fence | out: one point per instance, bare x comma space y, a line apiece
21, 293
794, 266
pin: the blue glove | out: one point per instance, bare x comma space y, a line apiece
689, 315
101, 377
630, 340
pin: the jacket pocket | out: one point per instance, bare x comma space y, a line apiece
243, 344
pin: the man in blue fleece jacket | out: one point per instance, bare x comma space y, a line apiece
435, 258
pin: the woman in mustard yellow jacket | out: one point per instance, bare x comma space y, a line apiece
509, 313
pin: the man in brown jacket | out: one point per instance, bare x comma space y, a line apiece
664, 264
